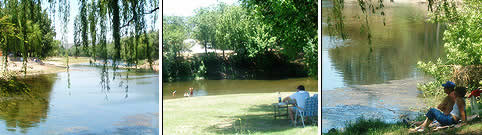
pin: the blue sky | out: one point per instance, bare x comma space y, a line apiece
187, 7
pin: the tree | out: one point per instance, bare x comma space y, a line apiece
174, 34
203, 31
295, 24
92, 25
84, 26
463, 45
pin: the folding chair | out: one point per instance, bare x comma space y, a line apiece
310, 110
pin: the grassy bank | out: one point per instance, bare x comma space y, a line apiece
376, 126
62, 61
228, 114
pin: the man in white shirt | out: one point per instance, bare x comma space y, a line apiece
298, 99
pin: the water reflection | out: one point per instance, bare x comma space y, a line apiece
87, 107
397, 47
104, 80
127, 86
359, 79
21, 112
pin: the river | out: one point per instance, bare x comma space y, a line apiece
224, 87
378, 81
85, 100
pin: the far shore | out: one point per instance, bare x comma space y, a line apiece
53, 65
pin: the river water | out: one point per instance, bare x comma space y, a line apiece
223, 87
379, 82
85, 100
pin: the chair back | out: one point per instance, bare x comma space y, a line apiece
311, 106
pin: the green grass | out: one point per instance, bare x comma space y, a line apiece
72, 60
377, 127
227, 114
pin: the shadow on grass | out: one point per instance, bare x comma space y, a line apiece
472, 127
258, 118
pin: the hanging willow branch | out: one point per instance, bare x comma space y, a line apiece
132, 19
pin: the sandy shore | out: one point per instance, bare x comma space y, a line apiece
56, 65
48, 66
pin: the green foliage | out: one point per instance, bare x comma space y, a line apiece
26, 30
440, 73
368, 126
201, 72
311, 57
152, 37
335, 20
174, 34
462, 41
436, 71
294, 25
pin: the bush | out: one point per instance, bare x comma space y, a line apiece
462, 44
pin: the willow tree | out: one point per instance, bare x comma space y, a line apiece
133, 12
103, 28
137, 18
114, 7
63, 7
92, 25
84, 26
31, 34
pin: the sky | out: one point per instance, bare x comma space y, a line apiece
187, 7
74, 11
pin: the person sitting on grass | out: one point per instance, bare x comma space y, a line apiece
298, 99
456, 112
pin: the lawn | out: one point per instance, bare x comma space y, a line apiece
228, 114
61, 61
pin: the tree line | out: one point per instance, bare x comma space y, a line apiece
256, 32
128, 20
26, 29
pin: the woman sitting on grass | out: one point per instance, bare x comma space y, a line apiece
457, 111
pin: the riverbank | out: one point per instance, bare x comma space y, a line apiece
144, 65
58, 64
376, 126
48, 66
228, 114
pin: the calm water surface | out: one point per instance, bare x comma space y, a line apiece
86, 100
382, 82
222, 87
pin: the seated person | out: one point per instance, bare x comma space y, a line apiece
298, 99
450, 114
